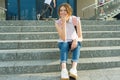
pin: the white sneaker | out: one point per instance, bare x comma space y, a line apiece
64, 74
73, 73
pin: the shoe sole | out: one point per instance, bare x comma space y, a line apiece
64, 79
73, 76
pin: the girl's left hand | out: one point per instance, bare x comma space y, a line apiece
74, 44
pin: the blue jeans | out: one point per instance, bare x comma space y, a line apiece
64, 50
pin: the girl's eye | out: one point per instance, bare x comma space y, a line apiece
63, 10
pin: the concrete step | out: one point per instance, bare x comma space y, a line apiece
54, 35
34, 76
51, 28
41, 22
33, 44
53, 53
101, 27
29, 36
25, 23
99, 22
101, 42
42, 28
101, 34
40, 66
102, 74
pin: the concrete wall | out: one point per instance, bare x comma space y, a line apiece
88, 12
2, 3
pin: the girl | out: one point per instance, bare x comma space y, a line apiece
70, 37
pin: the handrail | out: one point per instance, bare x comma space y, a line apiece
104, 3
3, 8
94, 9
89, 6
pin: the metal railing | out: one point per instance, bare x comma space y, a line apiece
87, 10
108, 7
92, 11
104, 3
2, 13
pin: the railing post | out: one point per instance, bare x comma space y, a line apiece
83, 14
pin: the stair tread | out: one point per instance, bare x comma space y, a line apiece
52, 25
29, 26
55, 40
100, 73
56, 32
56, 49
56, 61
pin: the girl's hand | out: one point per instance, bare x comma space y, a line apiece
63, 21
74, 44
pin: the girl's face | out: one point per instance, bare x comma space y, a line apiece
63, 12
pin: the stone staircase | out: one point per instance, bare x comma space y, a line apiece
31, 46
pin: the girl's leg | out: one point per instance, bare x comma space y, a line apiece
64, 48
75, 58
76, 55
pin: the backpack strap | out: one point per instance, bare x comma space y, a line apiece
75, 28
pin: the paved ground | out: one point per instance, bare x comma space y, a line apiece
101, 74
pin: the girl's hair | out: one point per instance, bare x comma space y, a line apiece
68, 8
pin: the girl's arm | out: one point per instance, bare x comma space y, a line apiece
61, 29
79, 31
77, 23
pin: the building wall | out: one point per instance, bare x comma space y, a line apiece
2, 3
88, 12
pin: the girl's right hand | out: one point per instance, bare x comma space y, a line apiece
63, 21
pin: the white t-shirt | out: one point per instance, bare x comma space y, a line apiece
48, 1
